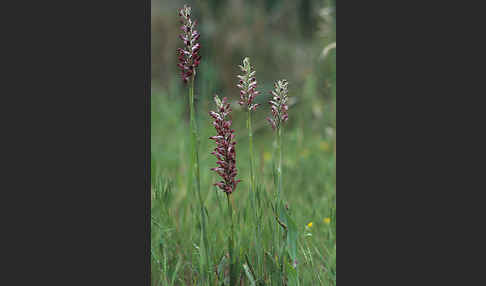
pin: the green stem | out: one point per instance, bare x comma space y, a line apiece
195, 142
230, 241
250, 136
279, 167
280, 146
195, 170
253, 188
278, 203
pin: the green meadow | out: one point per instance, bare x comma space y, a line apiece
189, 246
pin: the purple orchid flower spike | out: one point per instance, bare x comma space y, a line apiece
247, 86
225, 146
279, 104
188, 56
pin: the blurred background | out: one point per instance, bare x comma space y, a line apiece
285, 39
291, 39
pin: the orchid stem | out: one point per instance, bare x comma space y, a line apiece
195, 170
230, 240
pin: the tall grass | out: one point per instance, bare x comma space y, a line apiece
309, 191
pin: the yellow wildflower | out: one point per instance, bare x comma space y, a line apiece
309, 224
327, 220
304, 153
324, 146
267, 156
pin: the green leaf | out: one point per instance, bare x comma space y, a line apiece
293, 279
292, 240
174, 274
292, 233
221, 266
249, 275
